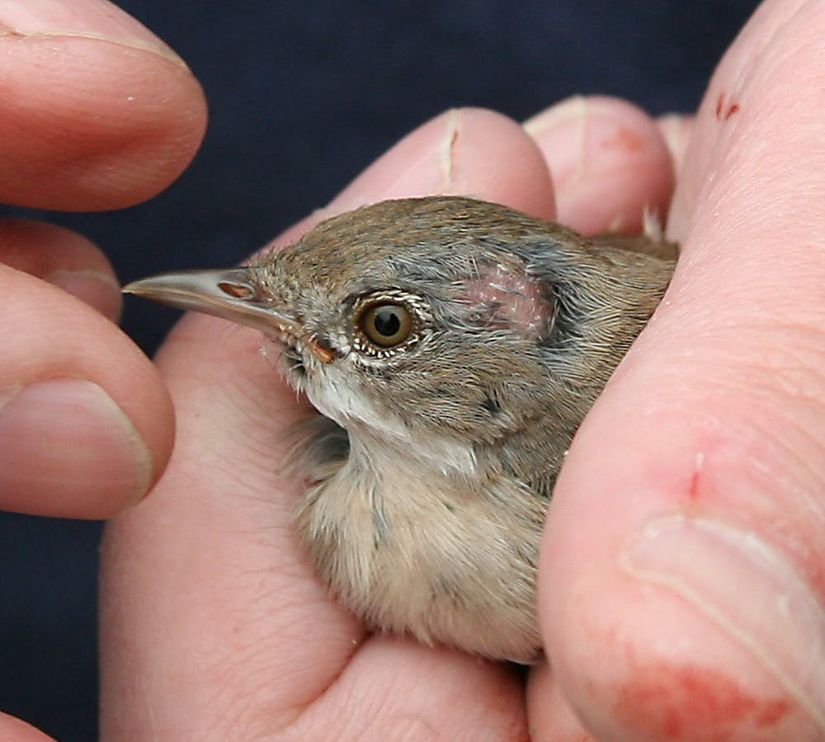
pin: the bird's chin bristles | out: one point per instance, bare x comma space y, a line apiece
287, 360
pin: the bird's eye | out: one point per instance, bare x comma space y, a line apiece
386, 325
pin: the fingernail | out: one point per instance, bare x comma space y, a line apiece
464, 151
676, 129
561, 132
420, 164
80, 19
607, 159
580, 133
66, 448
573, 109
747, 589
98, 290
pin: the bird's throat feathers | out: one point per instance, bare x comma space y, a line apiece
379, 438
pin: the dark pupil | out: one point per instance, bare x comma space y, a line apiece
386, 322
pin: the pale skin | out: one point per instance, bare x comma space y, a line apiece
213, 626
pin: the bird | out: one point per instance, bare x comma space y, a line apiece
451, 348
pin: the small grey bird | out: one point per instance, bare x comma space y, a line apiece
453, 347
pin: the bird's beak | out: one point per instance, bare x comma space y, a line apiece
232, 294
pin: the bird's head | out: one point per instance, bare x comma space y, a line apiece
421, 322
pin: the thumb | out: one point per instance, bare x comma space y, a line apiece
85, 422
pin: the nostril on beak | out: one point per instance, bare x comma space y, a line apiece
236, 290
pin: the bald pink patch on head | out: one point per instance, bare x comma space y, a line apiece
508, 298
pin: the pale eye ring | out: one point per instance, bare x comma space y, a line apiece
387, 325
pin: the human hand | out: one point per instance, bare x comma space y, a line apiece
213, 625
682, 593
96, 113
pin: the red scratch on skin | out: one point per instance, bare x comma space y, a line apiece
693, 489
734, 108
624, 140
720, 104
723, 113
692, 703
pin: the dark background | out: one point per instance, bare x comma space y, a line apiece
302, 96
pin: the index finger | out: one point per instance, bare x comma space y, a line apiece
96, 112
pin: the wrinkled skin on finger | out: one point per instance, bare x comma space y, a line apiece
95, 113
59, 62
681, 586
